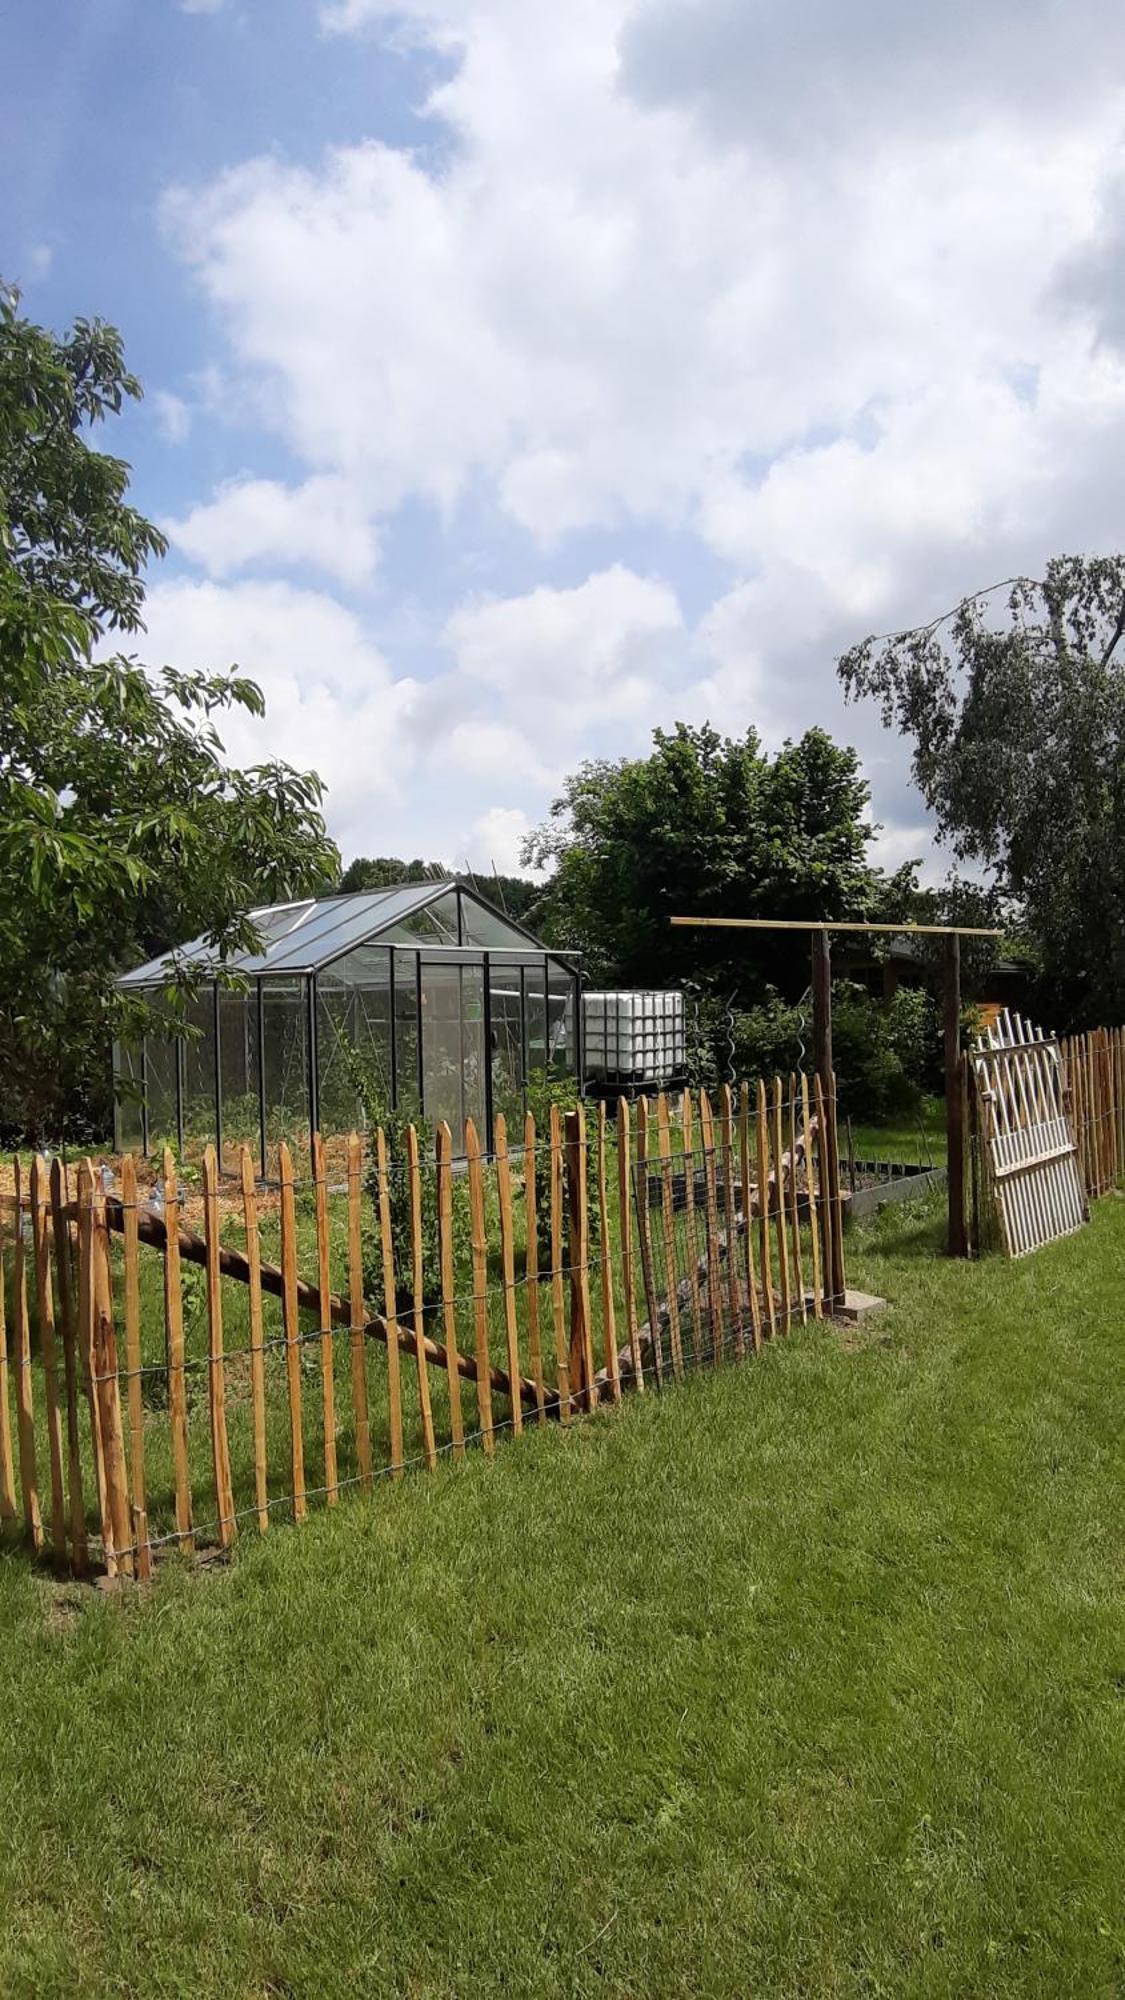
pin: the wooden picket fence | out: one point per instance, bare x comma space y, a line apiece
1093, 1070
178, 1376
1049, 1115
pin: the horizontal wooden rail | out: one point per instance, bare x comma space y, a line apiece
151, 1229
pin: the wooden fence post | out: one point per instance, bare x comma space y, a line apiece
734, 1290
418, 1290
107, 1402
668, 1216
60, 1227
327, 1344
747, 1217
644, 1231
531, 1266
8, 1509
174, 1326
45, 1306
133, 1359
216, 1358
687, 1128
390, 1305
625, 1216
257, 1348
25, 1410
558, 1308
779, 1192
508, 1263
711, 1216
765, 1256
291, 1321
811, 1190
443, 1167
609, 1323
479, 1240
578, 1250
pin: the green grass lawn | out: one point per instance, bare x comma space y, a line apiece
807, 1677
913, 1141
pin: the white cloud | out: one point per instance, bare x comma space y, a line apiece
332, 704
573, 660
496, 838
321, 523
787, 282
173, 416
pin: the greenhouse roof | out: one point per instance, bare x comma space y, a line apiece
302, 937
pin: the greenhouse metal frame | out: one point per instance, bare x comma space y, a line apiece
422, 997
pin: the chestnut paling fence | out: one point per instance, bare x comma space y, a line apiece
185, 1363
1049, 1118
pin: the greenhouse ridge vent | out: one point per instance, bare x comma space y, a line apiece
443, 1003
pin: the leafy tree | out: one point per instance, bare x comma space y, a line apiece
705, 826
1016, 708
513, 893
122, 830
385, 870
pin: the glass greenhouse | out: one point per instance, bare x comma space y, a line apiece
440, 1000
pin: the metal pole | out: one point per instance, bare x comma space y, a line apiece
218, 1074
488, 1052
822, 1008
314, 1061
144, 1095
181, 1068
418, 1017
394, 1027
261, 1013
954, 1099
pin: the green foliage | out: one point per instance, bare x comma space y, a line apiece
384, 871
123, 832
512, 893
802, 1679
544, 1091
887, 1054
368, 1082
1016, 710
704, 826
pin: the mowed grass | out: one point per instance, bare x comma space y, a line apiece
807, 1677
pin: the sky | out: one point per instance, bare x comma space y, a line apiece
523, 377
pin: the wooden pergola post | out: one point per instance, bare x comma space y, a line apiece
834, 1281
958, 1242
822, 1024
822, 1008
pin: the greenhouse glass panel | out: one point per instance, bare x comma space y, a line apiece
436, 924
238, 1076
128, 1110
534, 977
199, 1072
507, 1043
562, 1040
406, 1033
338, 1101
285, 1049
488, 928
161, 1064
453, 1046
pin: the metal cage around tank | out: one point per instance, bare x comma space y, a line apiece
421, 997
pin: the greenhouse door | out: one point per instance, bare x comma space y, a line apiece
453, 1070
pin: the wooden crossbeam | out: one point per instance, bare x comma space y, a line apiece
827, 924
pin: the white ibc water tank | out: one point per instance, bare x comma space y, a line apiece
633, 1038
